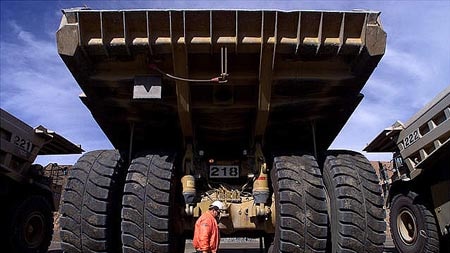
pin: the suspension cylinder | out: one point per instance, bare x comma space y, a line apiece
261, 186
189, 192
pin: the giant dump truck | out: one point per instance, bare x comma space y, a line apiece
230, 105
26, 193
418, 186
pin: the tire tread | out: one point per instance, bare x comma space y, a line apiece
88, 203
357, 198
147, 204
298, 184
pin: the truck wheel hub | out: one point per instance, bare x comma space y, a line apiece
34, 230
407, 226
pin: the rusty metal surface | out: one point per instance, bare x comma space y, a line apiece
286, 72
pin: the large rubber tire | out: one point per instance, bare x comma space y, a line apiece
300, 205
31, 226
149, 210
91, 199
355, 203
413, 226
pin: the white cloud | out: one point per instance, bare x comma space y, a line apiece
406, 63
37, 88
400, 86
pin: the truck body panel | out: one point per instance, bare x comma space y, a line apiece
288, 74
21, 144
423, 139
421, 160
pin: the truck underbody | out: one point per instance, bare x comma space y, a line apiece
237, 106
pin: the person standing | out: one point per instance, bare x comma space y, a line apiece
206, 231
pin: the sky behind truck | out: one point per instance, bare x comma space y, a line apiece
37, 87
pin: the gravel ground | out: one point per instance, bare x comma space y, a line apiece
232, 245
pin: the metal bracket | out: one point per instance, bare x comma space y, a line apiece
188, 160
223, 65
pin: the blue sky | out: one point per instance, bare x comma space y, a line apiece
36, 86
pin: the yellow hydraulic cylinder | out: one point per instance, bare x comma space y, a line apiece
261, 186
188, 183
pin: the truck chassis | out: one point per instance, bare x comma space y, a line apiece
229, 105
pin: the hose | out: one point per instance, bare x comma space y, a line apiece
219, 79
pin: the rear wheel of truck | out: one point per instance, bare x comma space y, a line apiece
355, 203
301, 223
90, 208
413, 226
149, 213
31, 226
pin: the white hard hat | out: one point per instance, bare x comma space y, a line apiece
217, 204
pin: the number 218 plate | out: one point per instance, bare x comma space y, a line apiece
223, 171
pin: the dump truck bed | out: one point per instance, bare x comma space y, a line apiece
288, 74
423, 140
21, 144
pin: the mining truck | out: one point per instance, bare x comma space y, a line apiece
418, 181
231, 105
28, 193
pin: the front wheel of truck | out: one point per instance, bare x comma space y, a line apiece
413, 226
31, 226
149, 213
300, 206
90, 208
355, 203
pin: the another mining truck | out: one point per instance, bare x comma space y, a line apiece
28, 192
230, 105
418, 182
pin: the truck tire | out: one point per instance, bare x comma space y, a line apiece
148, 213
90, 208
413, 226
300, 205
355, 203
31, 226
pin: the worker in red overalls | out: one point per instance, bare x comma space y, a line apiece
206, 233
